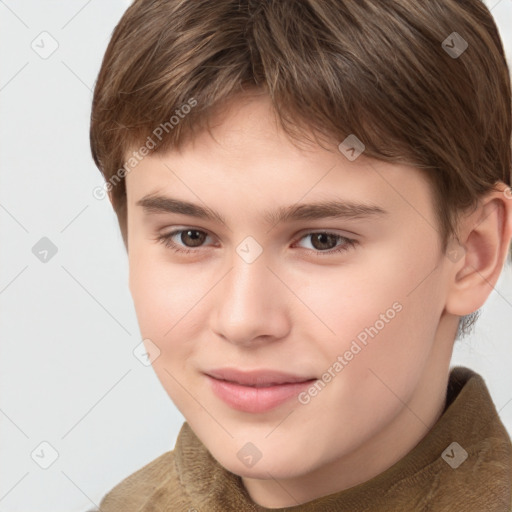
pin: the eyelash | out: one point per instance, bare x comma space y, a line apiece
349, 243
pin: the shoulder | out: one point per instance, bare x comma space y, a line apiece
175, 480
143, 485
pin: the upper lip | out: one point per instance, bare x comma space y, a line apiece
256, 377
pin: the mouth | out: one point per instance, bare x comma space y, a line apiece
256, 391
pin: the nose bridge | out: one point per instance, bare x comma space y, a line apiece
247, 305
247, 285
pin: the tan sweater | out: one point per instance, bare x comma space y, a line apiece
189, 479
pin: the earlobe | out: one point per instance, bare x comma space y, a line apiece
485, 236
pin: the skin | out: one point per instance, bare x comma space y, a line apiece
296, 311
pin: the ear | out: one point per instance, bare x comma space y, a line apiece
485, 239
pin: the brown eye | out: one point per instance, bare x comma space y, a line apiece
183, 240
324, 241
192, 237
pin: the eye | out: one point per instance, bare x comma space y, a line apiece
323, 243
194, 237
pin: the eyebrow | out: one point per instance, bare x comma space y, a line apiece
305, 211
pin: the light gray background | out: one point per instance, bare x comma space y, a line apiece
67, 372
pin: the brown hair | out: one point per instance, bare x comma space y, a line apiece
385, 71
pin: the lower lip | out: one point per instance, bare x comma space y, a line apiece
251, 399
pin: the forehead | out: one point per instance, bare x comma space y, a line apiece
248, 161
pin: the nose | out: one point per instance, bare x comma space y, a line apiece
251, 304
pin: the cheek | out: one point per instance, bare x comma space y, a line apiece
167, 301
384, 316
163, 294
384, 338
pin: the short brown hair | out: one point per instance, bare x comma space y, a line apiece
381, 70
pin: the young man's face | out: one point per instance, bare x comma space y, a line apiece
355, 301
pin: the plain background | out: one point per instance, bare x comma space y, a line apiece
68, 375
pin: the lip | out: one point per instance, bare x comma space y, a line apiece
256, 391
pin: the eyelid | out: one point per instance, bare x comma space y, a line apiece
347, 242
307, 231
331, 231
178, 230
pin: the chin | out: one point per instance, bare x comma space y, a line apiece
282, 468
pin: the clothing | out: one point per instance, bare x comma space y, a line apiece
189, 479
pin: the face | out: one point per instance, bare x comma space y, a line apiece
344, 300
